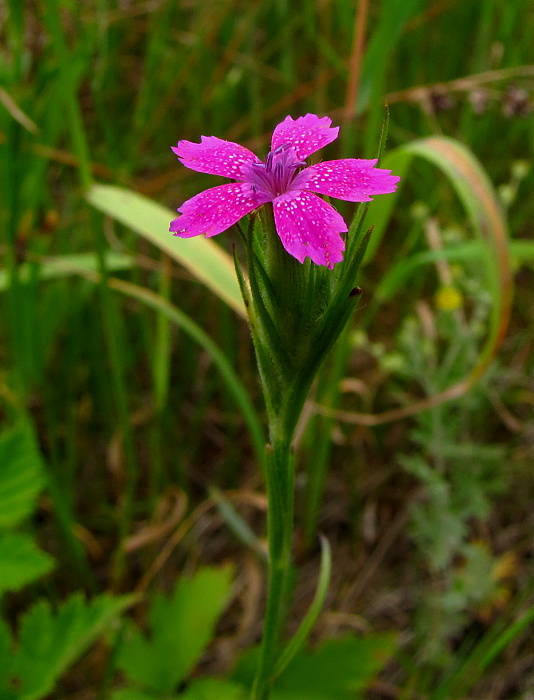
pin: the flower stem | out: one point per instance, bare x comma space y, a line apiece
280, 476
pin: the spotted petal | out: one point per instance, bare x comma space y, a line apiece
352, 179
306, 134
309, 226
215, 156
215, 210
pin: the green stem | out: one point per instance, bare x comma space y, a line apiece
280, 477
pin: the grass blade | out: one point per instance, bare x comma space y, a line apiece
476, 193
203, 258
479, 198
234, 384
305, 627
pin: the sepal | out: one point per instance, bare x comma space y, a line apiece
296, 313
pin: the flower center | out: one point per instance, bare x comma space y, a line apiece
274, 177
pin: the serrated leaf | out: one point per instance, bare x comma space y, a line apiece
50, 642
21, 474
21, 561
339, 669
181, 627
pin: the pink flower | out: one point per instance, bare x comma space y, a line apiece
306, 224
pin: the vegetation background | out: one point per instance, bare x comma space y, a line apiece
126, 460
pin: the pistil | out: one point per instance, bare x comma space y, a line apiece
275, 175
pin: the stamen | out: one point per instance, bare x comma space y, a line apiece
276, 174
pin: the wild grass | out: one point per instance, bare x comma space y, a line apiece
138, 379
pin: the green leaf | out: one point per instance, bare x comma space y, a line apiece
202, 257
21, 474
339, 669
21, 561
6, 693
181, 626
199, 689
50, 642
214, 689
481, 203
476, 192
136, 694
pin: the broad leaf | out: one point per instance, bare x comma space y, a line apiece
136, 694
21, 474
214, 689
21, 561
6, 693
181, 627
199, 689
50, 642
339, 669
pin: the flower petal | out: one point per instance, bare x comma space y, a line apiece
215, 210
214, 156
307, 134
309, 226
352, 179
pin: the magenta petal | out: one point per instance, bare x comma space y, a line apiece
307, 134
352, 179
309, 226
215, 210
215, 156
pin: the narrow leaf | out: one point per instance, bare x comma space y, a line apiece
64, 265
237, 524
202, 257
380, 210
476, 192
299, 638
234, 384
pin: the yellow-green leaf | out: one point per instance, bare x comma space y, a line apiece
202, 257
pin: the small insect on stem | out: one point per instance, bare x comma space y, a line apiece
355, 292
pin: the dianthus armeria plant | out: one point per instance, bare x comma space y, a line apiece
302, 261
